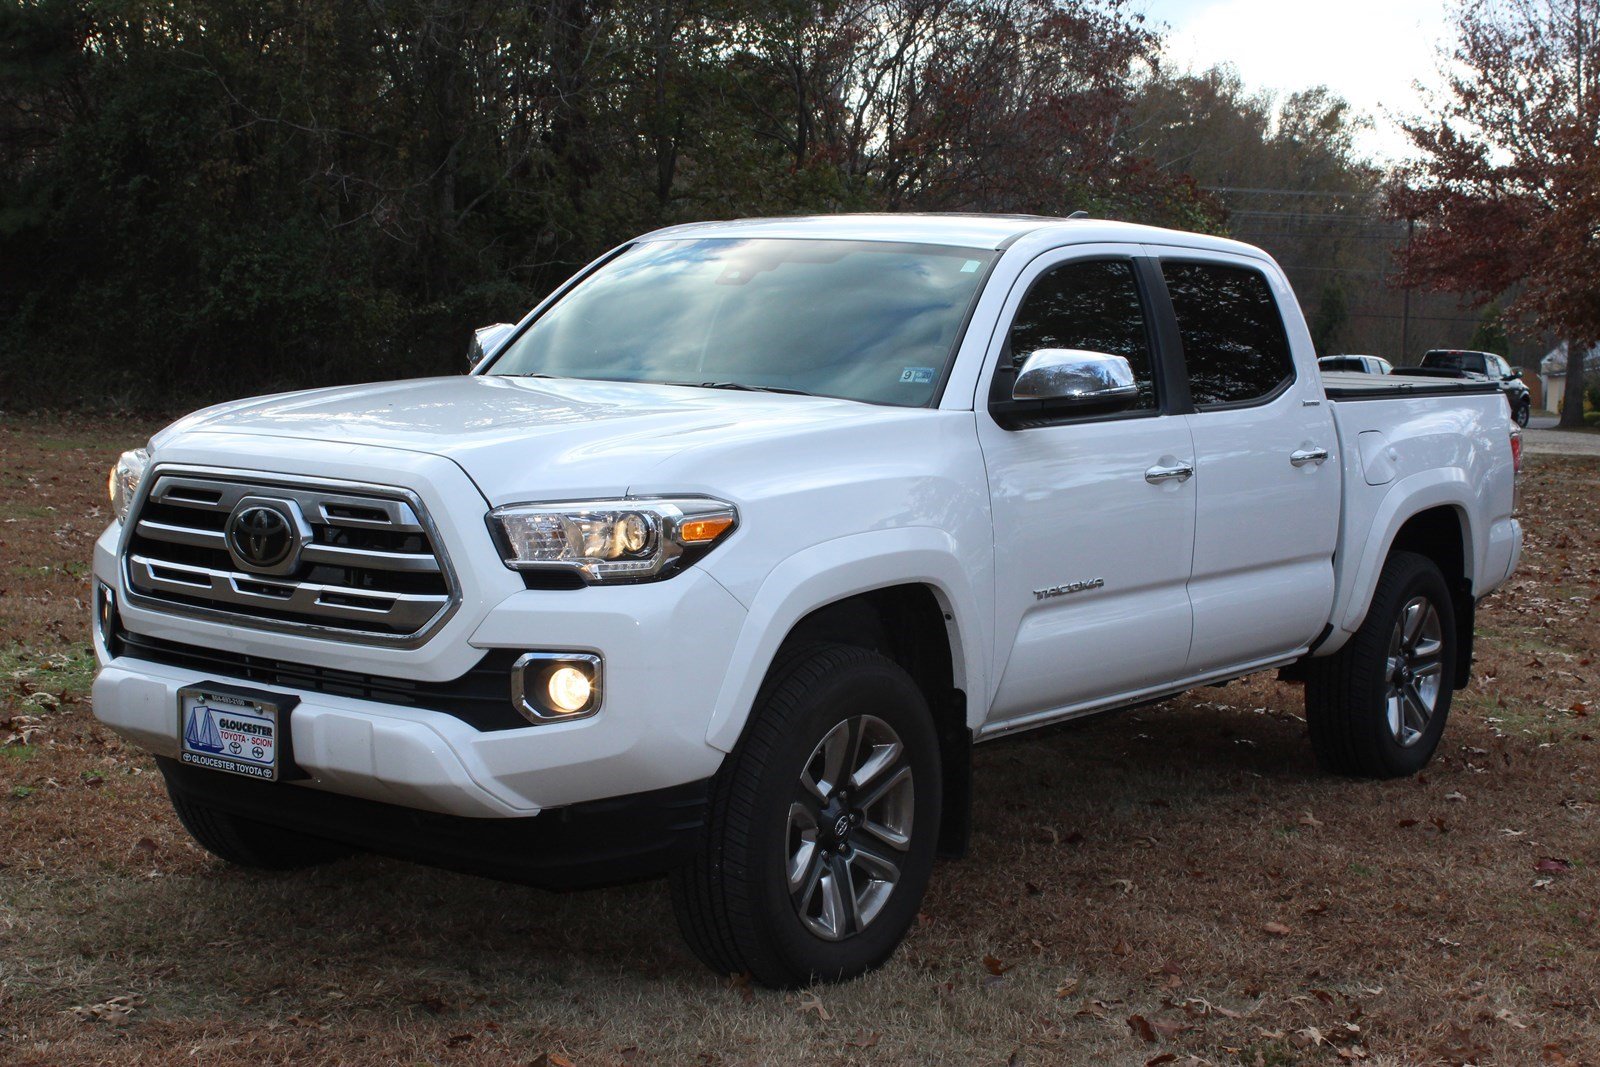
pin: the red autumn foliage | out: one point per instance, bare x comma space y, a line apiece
1506, 190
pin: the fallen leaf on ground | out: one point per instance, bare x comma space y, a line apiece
1307, 1038
1276, 929
810, 1002
1141, 1028
114, 1010
1552, 865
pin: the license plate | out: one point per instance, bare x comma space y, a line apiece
227, 732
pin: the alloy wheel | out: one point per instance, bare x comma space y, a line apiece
850, 823
1415, 670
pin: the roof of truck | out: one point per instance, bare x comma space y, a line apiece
960, 230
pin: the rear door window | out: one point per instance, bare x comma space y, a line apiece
1234, 345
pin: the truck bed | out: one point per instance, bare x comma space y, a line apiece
1349, 385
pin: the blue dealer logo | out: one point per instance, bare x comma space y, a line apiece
201, 732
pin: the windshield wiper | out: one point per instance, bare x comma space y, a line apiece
744, 388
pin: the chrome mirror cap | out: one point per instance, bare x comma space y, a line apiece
485, 339
1076, 377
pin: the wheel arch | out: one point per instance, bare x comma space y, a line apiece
902, 593
1432, 519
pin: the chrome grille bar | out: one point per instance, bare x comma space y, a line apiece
407, 611
337, 555
369, 565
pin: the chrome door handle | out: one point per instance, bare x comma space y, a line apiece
1303, 456
1156, 475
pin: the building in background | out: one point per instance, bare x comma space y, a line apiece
1553, 373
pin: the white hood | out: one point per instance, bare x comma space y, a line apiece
552, 438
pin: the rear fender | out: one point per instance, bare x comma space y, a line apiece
1440, 487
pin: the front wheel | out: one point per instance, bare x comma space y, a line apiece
1378, 706
1523, 413
822, 825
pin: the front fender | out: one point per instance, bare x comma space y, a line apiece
843, 567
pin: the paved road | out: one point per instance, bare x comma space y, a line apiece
1541, 438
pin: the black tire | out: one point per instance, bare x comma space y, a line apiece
733, 898
1348, 694
248, 843
1523, 413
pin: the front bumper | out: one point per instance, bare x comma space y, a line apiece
666, 645
605, 842
665, 657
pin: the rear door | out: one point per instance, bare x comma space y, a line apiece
1093, 529
1267, 490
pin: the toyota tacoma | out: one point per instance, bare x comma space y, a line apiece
719, 562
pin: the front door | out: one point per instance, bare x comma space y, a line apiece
1093, 517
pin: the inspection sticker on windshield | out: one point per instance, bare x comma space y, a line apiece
917, 375
228, 733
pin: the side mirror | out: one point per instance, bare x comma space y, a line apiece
485, 339
1515, 375
1073, 378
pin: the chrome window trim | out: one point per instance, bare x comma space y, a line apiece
265, 480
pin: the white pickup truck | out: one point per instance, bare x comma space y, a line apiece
722, 559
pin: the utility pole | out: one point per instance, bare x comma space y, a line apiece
1405, 312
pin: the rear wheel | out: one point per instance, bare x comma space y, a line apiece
1378, 706
823, 821
248, 843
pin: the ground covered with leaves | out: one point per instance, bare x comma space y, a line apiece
1173, 885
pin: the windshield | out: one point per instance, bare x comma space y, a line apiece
1341, 363
860, 320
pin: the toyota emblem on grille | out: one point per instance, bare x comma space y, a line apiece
262, 536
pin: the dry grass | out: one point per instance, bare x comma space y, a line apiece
1122, 870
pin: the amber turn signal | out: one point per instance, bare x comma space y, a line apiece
704, 531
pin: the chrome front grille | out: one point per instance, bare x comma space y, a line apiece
365, 562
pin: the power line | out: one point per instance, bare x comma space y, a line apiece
1248, 191
1325, 237
1321, 216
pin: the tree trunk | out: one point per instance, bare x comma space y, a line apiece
1572, 393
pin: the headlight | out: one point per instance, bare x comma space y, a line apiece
125, 479
611, 540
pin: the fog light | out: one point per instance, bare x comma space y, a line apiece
569, 689
107, 628
556, 686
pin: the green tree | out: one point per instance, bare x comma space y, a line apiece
1490, 334
1330, 319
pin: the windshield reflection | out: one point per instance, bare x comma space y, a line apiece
869, 321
